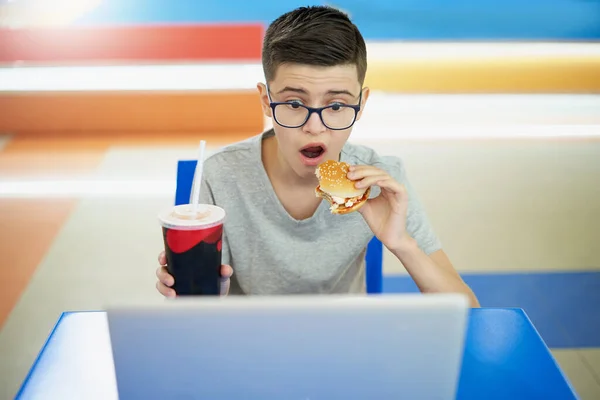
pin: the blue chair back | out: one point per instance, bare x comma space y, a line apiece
374, 257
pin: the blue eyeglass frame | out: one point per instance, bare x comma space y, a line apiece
318, 110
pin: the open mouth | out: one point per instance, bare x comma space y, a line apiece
312, 151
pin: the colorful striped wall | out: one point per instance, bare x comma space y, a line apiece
436, 47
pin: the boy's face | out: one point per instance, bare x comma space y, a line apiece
304, 147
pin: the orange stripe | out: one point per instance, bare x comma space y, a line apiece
29, 228
192, 112
544, 74
80, 148
132, 43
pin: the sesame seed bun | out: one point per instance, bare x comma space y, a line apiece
333, 180
337, 189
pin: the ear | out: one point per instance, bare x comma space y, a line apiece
264, 99
365, 97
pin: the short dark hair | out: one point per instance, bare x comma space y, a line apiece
316, 35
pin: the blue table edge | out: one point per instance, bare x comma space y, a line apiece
548, 351
40, 355
65, 313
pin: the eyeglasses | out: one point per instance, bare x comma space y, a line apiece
293, 114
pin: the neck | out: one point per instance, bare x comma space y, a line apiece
277, 168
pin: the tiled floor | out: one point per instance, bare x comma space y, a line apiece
575, 364
516, 216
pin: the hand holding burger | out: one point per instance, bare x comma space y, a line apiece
347, 188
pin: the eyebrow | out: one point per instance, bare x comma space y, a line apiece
302, 91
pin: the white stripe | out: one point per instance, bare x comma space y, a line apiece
379, 51
369, 133
85, 188
125, 78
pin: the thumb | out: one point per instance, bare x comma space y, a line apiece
226, 272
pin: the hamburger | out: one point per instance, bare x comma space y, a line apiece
337, 189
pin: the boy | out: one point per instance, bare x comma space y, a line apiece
279, 238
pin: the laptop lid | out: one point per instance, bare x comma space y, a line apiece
304, 348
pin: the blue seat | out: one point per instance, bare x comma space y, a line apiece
374, 257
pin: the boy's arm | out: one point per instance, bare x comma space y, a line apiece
433, 273
422, 254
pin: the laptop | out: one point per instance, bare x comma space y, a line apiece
405, 346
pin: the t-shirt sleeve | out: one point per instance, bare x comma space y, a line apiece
418, 225
207, 197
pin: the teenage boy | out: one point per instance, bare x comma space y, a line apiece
279, 238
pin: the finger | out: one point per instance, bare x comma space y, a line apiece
164, 290
357, 167
162, 258
362, 171
226, 272
371, 180
164, 277
397, 189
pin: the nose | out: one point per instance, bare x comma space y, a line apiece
314, 125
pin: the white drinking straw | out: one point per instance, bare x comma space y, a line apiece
198, 177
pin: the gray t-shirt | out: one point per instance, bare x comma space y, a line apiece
273, 253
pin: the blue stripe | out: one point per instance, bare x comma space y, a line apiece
563, 306
384, 19
189, 11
